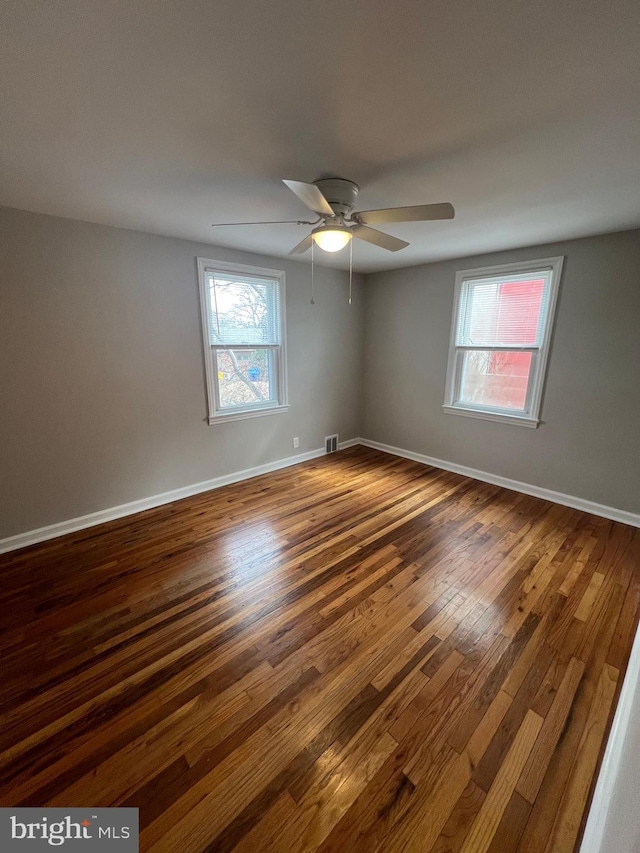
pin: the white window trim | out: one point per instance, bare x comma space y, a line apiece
214, 415
531, 416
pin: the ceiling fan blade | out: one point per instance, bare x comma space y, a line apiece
378, 238
267, 222
416, 213
311, 196
303, 246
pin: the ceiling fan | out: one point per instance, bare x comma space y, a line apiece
333, 200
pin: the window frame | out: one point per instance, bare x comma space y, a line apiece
530, 417
215, 414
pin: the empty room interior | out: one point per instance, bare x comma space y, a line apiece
320, 426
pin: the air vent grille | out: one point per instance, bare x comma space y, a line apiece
331, 443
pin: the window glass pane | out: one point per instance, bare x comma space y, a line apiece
495, 378
245, 377
243, 311
498, 312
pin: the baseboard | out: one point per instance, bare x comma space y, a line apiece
32, 537
515, 485
51, 531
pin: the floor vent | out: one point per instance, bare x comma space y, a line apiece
331, 443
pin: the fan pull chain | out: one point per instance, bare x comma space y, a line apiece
313, 301
350, 267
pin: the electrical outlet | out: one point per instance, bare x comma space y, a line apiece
296, 441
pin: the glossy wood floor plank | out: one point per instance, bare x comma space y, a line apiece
360, 653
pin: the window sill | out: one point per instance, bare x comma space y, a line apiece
241, 416
518, 420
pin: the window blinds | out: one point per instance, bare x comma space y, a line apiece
242, 310
504, 312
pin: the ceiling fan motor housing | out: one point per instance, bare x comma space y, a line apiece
340, 193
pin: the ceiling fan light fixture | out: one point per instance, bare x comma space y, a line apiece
331, 238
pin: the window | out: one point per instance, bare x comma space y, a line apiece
500, 340
243, 334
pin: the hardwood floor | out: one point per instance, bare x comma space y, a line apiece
357, 654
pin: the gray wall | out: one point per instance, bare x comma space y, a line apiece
588, 444
102, 381
101, 371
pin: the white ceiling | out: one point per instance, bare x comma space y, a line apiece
167, 115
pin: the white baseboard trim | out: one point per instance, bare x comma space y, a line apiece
609, 512
51, 531
60, 528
